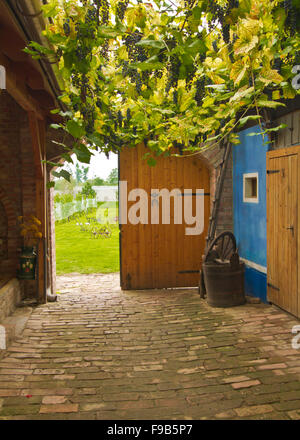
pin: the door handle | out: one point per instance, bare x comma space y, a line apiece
291, 228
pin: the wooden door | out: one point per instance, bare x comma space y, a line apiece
162, 255
282, 228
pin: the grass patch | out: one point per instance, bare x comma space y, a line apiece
78, 251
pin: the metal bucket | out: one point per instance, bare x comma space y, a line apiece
224, 284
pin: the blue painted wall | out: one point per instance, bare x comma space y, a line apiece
250, 222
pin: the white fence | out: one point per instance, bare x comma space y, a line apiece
65, 210
106, 193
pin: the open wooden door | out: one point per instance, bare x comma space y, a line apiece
283, 217
162, 255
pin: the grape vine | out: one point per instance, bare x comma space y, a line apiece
132, 72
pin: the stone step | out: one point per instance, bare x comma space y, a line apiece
12, 327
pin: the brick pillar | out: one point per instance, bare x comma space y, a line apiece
28, 179
51, 239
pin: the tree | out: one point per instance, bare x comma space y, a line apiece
88, 191
98, 181
181, 76
64, 186
81, 173
113, 178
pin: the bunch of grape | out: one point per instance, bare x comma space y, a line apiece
103, 7
297, 57
188, 4
200, 91
125, 68
75, 79
135, 53
233, 4
66, 26
91, 16
120, 119
84, 87
175, 97
75, 105
287, 5
226, 33
121, 8
138, 81
174, 68
105, 49
90, 125
145, 76
88, 113
81, 52
278, 64
291, 20
202, 57
100, 77
189, 77
212, 8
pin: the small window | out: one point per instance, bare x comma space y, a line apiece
251, 188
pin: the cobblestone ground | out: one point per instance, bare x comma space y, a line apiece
100, 353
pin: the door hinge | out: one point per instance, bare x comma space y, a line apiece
273, 171
188, 271
194, 194
273, 287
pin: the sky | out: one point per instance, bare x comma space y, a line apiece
99, 166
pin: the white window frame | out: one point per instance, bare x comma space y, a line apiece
250, 199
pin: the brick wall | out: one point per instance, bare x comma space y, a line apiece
10, 178
17, 181
10, 295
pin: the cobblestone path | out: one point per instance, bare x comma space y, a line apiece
100, 353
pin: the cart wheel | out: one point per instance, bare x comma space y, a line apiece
224, 244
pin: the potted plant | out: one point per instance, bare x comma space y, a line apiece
30, 230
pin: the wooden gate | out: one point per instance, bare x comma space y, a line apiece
162, 255
283, 217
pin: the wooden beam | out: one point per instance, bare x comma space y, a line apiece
26, 72
44, 99
18, 90
36, 143
12, 45
41, 209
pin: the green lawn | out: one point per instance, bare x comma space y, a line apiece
78, 251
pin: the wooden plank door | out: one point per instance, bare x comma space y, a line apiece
282, 228
161, 255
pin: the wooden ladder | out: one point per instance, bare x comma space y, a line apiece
213, 219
